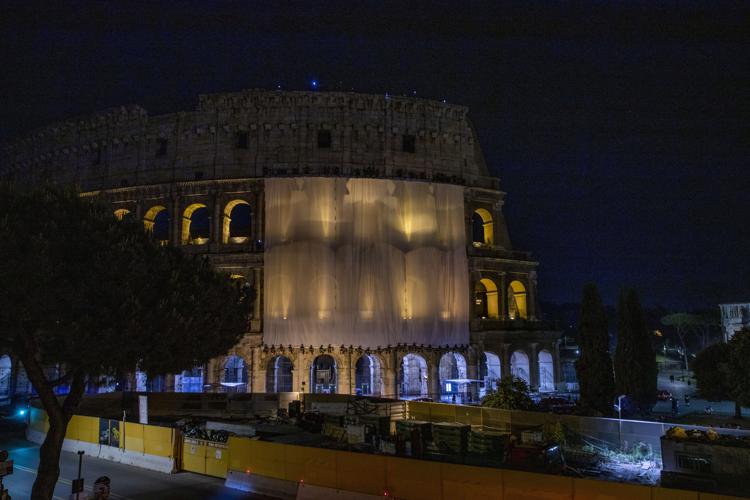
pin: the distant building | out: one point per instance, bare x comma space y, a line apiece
734, 317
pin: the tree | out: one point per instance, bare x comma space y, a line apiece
684, 325
512, 394
712, 372
635, 360
95, 296
594, 367
739, 370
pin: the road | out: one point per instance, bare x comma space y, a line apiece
128, 482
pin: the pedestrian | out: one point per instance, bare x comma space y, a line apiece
687, 400
453, 398
674, 406
671, 378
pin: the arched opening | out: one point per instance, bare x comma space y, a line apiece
482, 228
546, 372
5, 376
279, 374
490, 373
195, 225
236, 222
453, 382
323, 375
121, 213
519, 366
367, 376
156, 222
189, 380
235, 374
517, 300
413, 376
486, 299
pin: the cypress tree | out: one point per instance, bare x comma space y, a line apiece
594, 367
635, 360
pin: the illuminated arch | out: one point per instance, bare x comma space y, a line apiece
452, 370
187, 221
323, 375
413, 376
279, 374
483, 228
367, 375
486, 299
546, 372
519, 366
120, 213
229, 233
156, 222
235, 374
490, 372
517, 307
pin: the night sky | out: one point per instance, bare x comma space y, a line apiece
618, 130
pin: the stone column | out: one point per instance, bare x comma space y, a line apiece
344, 373
258, 218
433, 378
531, 299
390, 375
472, 372
257, 283
216, 226
505, 361
559, 382
169, 382
534, 364
259, 372
502, 296
175, 223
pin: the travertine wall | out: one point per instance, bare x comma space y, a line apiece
257, 133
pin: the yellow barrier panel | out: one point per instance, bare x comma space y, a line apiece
312, 465
239, 453
471, 483
267, 459
471, 415
665, 494
134, 437
361, 473
217, 459
586, 489
530, 486
419, 410
158, 441
442, 413
72, 431
194, 455
413, 479
88, 429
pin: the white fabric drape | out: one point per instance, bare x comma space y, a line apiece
364, 262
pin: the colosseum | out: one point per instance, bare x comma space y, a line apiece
369, 227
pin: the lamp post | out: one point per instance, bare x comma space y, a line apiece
619, 418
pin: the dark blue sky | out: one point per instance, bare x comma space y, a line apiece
619, 130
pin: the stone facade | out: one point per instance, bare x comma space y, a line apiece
219, 154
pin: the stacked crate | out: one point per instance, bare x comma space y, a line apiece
487, 443
404, 428
451, 437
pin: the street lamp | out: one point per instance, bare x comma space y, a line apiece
619, 417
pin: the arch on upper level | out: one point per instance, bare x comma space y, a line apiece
482, 228
236, 222
517, 300
486, 299
156, 222
195, 225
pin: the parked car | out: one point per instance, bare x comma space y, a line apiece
663, 395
